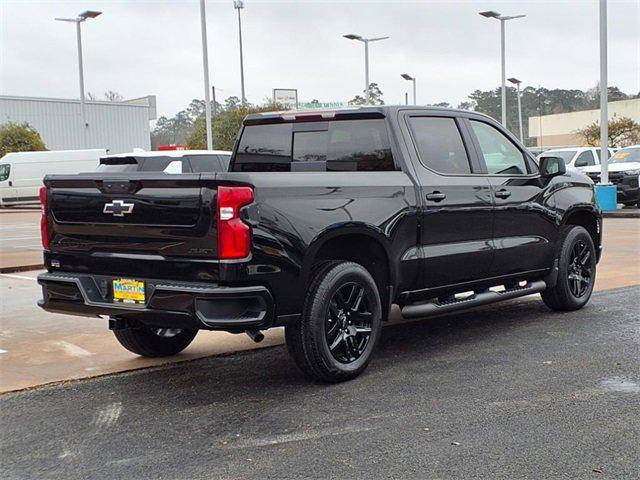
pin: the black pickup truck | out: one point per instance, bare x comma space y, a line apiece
324, 220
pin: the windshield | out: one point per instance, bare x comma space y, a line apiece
566, 155
631, 154
5, 169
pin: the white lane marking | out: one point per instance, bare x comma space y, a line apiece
72, 349
3, 351
108, 415
19, 277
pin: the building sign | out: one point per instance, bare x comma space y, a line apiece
286, 96
316, 104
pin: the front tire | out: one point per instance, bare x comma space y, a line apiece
154, 342
340, 324
576, 271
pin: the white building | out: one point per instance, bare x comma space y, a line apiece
117, 126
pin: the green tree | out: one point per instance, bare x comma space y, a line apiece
375, 96
225, 127
622, 132
19, 137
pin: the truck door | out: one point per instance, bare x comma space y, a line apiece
525, 228
457, 213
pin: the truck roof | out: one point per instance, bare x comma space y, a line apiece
368, 111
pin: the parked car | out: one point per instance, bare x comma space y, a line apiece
577, 157
21, 173
624, 172
168, 161
324, 221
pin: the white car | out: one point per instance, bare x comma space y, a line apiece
21, 173
576, 157
624, 173
167, 161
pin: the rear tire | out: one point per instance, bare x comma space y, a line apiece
154, 342
340, 324
576, 271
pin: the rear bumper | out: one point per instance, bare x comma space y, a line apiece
192, 305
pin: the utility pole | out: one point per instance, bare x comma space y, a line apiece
205, 66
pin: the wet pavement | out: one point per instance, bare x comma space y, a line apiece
20, 238
505, 391
37, 347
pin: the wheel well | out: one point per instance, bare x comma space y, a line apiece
587, 220
366, 251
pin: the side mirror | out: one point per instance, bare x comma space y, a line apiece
581, 163
552, 166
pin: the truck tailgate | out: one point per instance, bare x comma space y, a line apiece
144, 213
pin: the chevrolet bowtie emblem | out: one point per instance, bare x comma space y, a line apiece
118, 208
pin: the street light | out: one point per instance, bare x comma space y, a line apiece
78, 20
205, 67
239, 5
353, 36
517, 84
503, 19
406, 76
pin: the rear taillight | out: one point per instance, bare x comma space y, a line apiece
234, 236
44, 224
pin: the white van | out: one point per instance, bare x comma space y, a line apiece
21, 173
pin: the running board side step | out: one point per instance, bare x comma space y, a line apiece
434, 308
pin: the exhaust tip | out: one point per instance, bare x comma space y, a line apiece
255, 335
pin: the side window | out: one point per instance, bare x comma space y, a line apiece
264, 148
175, 166
439, 144
585, 159
204, 163
224, 162
500, 155
164, 164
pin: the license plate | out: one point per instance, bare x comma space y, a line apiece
128, 291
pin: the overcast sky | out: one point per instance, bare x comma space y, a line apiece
143, 47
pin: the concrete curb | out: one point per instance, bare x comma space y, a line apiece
21, 268
630, 213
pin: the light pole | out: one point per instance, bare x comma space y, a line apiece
604, 94
352, 36
239, 5
517, 84
78, 20
205, 65
503, 19
406, 76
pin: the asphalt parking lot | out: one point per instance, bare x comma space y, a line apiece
507, 391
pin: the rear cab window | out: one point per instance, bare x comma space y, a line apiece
329, 146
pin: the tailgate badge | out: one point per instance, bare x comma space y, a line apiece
118, 208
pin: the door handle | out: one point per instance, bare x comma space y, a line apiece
503, 193
436, 196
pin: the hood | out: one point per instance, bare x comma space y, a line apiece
613, 167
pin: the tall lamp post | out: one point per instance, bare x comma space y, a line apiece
205, 67
366, 41
239, 5
406, 76
503, 19
517, 83
78, 20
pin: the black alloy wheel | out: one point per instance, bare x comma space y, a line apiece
579, 271
348, 322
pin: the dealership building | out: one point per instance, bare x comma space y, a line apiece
116, 126
559, 130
